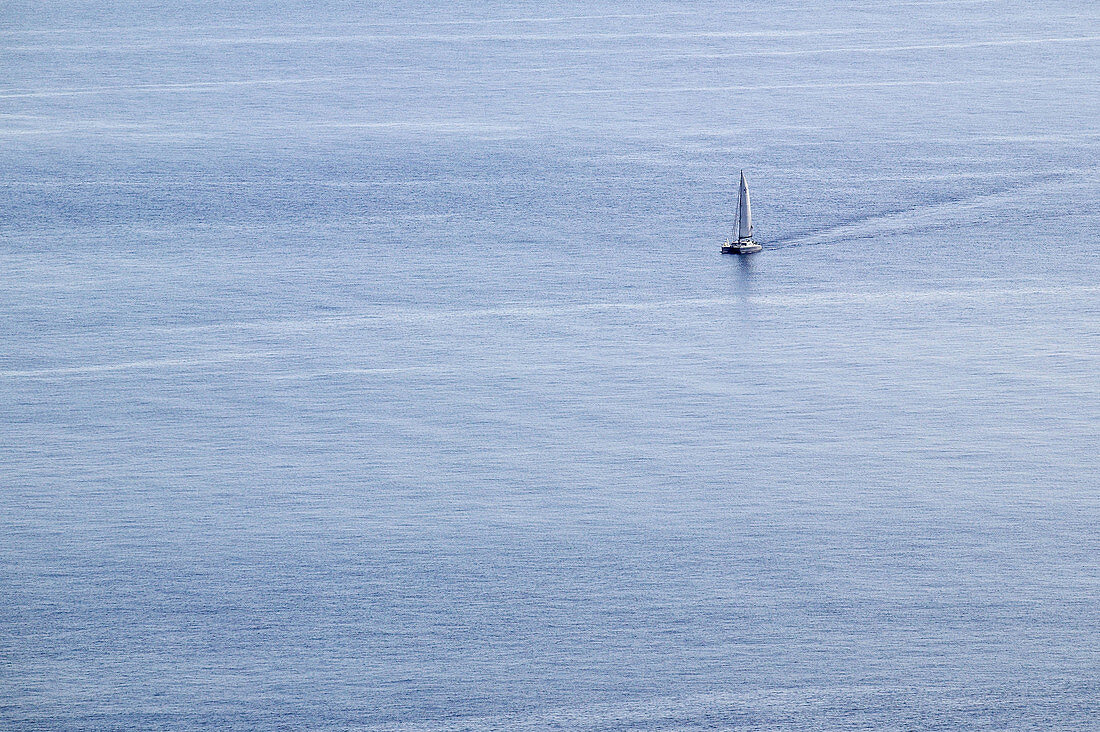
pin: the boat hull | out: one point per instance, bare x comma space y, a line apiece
741, 247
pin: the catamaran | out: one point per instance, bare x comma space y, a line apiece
744, 243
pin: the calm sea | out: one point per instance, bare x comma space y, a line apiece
377, 368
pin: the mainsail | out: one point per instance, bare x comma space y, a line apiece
744, 218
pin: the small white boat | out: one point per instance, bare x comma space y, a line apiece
744, 244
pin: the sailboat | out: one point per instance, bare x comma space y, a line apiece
745, 243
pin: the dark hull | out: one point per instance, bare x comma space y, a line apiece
741, 247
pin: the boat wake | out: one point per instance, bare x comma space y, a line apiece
923, 218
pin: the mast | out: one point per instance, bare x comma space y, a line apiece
744, 211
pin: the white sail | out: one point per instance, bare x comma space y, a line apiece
744, 218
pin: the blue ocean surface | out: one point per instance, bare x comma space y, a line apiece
377, 367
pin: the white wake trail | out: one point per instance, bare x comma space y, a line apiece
922, 217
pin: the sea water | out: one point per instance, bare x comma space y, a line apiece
377, 367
